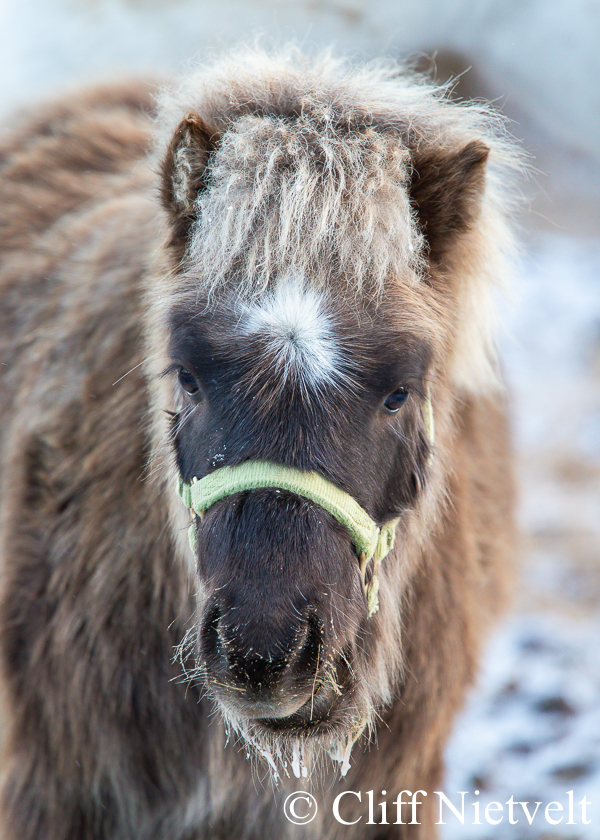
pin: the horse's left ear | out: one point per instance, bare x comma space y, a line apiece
446, 190
183, 170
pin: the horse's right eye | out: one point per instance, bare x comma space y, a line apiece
187, 381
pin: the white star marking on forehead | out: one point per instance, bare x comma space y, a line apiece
299, 334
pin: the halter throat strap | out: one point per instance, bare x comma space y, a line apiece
369, 539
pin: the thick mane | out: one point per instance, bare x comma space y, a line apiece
311, 175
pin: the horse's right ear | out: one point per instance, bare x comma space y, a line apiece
183, 171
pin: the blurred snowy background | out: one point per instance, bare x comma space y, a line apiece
532, 728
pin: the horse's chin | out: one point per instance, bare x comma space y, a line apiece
316, 733
315, 716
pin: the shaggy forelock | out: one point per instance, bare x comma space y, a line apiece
304, 196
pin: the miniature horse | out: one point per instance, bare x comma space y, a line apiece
256, 476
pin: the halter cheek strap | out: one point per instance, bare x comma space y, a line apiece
370, 540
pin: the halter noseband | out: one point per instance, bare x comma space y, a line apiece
369, 539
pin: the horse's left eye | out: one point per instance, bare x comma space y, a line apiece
187, 381
396, 400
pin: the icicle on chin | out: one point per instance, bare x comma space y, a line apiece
340, 750
297, 755
269, 758
299, 768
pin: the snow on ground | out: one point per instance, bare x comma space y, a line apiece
532, 727
531, 731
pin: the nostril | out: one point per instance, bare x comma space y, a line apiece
210, 637
307, 650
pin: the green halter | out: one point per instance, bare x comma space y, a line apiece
370, 541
